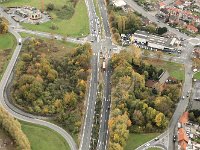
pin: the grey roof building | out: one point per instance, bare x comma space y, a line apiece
154, 41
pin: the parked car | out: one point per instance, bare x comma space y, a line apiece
148, 144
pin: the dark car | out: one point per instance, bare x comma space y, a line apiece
156, 139
174, 138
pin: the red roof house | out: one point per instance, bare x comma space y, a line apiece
182, 138
192, 28
184, 118
162, 5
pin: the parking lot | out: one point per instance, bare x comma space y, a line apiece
195, 102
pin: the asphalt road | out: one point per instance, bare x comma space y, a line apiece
53, 36
92, 94
26, 117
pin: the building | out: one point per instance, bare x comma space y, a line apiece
182, 139
162, 5
182, 136
140, 37
29, 12
192, 28
119, 3
160, 84
154, 42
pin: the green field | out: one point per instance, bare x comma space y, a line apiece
197, 76
77, 26
7, 46
43, 138
135, 140
35, 3
175, 70
154, 148
7, 41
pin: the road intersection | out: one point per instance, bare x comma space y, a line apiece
104, 45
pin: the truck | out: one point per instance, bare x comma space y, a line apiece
20, 41
104, 66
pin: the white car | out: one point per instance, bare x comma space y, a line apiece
148, 144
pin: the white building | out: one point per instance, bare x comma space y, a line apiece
119, 3
154, 41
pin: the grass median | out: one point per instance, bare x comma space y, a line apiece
7, 46
43, 138
135, 140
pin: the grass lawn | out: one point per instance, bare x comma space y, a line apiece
154, 148
175, 70
135, 140
7, 46
7, 41
197, 76
43, 138
77, 26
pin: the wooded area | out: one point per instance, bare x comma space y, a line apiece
135, 107
13, 127
52, 85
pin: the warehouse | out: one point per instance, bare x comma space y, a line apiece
154, 42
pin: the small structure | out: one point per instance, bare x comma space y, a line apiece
163, 77
119, 3
196, 95
162, 5
160, 84
35, 15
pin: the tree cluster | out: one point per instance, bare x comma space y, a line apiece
135, 108
194, 116
3, 26
13, 127
46, 85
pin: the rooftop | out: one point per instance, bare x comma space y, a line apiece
184, 118
163, 77
141, 34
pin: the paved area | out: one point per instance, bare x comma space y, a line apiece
194, 41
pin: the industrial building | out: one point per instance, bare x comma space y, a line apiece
154, 42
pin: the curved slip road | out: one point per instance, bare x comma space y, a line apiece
24, 116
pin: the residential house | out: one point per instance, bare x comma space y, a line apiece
160, 85
179, 4
182, 139
162, 5
173, 19
184, 118
191, 28
182, 136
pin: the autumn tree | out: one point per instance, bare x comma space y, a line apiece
3, 26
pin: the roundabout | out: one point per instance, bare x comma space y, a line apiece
194, 41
